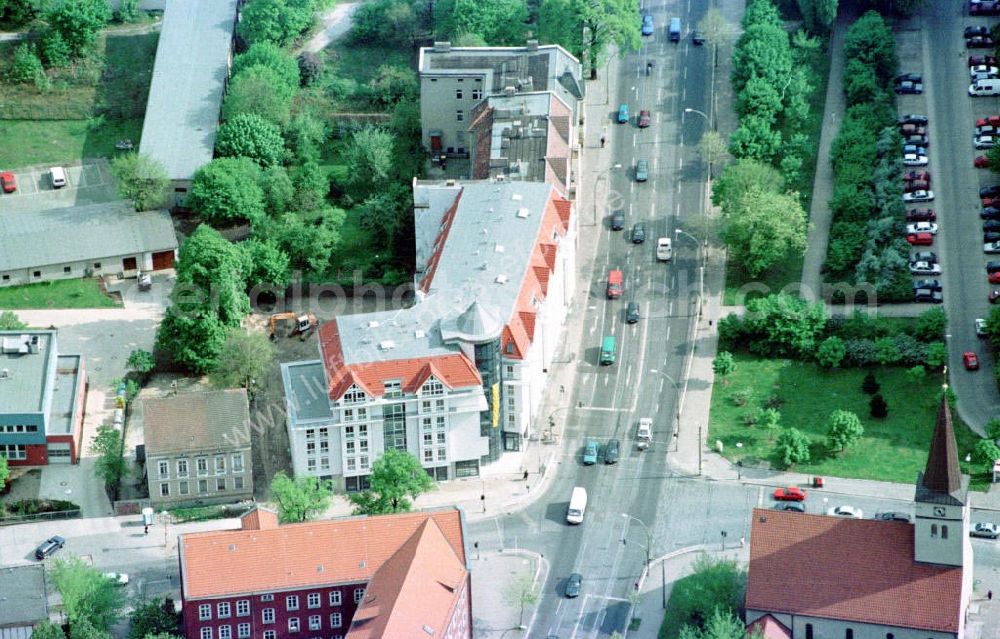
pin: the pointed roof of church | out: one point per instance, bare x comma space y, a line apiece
942, 481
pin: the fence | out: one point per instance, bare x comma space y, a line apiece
10, 520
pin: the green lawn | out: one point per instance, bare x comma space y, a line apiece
88, 108
892, 449
79, 293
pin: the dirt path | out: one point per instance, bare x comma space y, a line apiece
336, 23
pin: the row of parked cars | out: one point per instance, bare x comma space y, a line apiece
984, 8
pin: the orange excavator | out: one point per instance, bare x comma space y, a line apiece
301, 324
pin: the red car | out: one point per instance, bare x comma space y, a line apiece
970, 360
920, 239
7, 182
909, 186
981, 162
994, 278
912, 129
990, 120
910, 176
644, 119
792, 493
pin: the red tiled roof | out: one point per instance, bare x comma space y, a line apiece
229, 562
528, 321
542, 274
419, 586
768, 628
454, 371
848, 569
259, 519
442, 238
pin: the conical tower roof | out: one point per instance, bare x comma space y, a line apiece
942, 480
476, 324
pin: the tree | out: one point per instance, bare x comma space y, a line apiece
869, 385
268, 55
142, 179
306, 133
818, 15
84, 629
192, 339
931, 325
110, 465
985, 453
78, 21
843, 430
10, 322
740, 178
767, 228
310, 67
243, 361
141, 362
54, 49
792, 447
270, 265
299, 499
870, 40
831, 352
26, 67
993, 428
387, 22
278, 190
4, 472
250, 135
127, 11
382, 214
713, 149
309, 245
936, 355
723, 365
498, 23
396, 478
226, 190
713, 584
877, 407
993, 155
521, 591
719, 625
754, 138
588, 27
759, 97
211, 277
259, 90
392, 84
275, 21
88, 596
152, 617
45, 629
782, 325
369, 160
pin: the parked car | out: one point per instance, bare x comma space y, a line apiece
638, 233
981, 162
914, 148
918, 140
909, 88
911, 176
985, 129
922, 227
590, 452
612, 451
920, 239
984, 529
573, 585
913, 159
930, 284
982, 76
845, 511
989, 213
982, 68
909, 186
921, 215
912, 118
894, 516
697, 39
980, 42
792, 506
994, 296
791, 493
647, 25
970, 361
984, 8
644, 118
925, 268
919, 196
912, 129
991, 247
632, 312
642, 170
976, 60
7, 182
990, 191
908, 77
927, 295
984, 142
618, 220
993, 266
980, 325
991, 225
978, 30
993, 278
924, 256
119, 578
989, 120
49, 546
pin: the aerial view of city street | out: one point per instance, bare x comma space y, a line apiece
548, 319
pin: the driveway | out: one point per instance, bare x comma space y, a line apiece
104, 337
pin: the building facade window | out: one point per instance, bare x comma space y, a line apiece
292, 602
267, 597
243, 608
458, 94
243, 631
237, 483
359, 593
14, 451
223, 610
225, 632
164, 490
206, 632
313, 600
315, 622
183, 487
202, 486
394, 426
809, 631
432, 387
393, 389
336, 620
270, 634
220, 464
849, 633
267, 615
334, 597
182, 468
933, 530
204, 612
477, 94
220, 484
459, 115
944, 531
202, 465
164, 468
237, 462
354, 395
293, 624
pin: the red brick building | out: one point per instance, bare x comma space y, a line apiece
356, 578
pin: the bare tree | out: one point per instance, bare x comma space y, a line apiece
522, 591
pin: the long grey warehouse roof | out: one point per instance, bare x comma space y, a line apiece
185, 95
80, 233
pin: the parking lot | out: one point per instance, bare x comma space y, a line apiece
90, 183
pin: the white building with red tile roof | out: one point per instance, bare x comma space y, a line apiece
826, 577
402, 575
458, 378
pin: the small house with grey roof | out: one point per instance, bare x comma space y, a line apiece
197, 447
185, 94
457, 378
24, 603
83, 241
455, 80
42, 399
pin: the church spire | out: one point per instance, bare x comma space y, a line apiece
942, 474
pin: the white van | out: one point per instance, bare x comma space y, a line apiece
986, 87
577, 505
58, 177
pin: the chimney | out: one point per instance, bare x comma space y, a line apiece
443, 46
532, 45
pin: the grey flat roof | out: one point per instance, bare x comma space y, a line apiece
64, 395
485, 258
185, 95
23, 389
24, 598
81, 233
305, 390
522, 121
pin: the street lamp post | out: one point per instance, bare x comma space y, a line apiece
603, 174
607, 77
677, 402
704, 212
649, 544
701, 267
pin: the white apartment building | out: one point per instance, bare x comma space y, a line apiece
458, 378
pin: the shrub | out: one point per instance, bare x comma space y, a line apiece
731, 332
985, 453
741, 396
27, 66
831, 352
869, 385
917, 374
936, 355
931, 325
310, 68
792, 447
877, 407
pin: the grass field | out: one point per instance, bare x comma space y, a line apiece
78, 293
892, 449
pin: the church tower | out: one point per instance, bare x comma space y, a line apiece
942, 512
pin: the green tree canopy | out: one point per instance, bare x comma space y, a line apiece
724, 365
299, 499
9, 321
781, 325
275, 21
250, 135
78, 21
713, 584
843, 430
397, 477
191, 339
243, 361
4, 472
985, 453
267, 54
498, 23
763, 229
88, 596
45, 629
152, 618
369, 157
587, 28
742, 176
792, 447
831, 352
870, 40
227, 190
259, 90
142, 179
719, 625
270, 265
141, 361
110, 465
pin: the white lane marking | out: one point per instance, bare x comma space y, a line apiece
668, 329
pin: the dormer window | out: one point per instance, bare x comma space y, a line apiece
354, 395
432, 387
